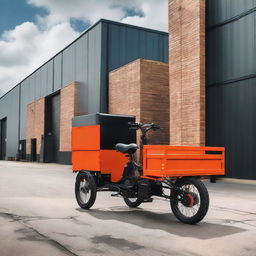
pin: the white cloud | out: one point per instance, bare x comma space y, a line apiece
155, 15
29, 45
88, 10
25, 48
155, 11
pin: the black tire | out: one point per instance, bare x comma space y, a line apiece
133, 204
89, 190
202, 197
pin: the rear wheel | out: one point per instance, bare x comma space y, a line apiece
85, 190
191, 204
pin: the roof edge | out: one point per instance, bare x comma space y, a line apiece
82, 34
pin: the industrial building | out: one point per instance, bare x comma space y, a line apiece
198, 83
36, 114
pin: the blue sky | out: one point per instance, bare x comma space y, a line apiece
32, 31
15, 12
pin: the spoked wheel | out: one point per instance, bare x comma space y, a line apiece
85, 189
191, 204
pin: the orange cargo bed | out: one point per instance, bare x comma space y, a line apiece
177, 161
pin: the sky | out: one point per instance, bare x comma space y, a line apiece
32, 31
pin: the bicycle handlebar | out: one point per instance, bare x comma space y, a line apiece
143, 127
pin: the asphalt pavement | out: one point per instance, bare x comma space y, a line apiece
39, 216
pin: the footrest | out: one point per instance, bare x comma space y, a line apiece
150, 200
115, 195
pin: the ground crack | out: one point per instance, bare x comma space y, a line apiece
24, 221
31, 218
234, 210
245, 222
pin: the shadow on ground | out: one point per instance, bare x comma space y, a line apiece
164, 221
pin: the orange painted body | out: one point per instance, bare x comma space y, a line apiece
86, 138
159, 162
87, 155
178, 161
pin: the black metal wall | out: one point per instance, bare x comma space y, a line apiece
231, 83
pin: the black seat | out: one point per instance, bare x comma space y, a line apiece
126, 148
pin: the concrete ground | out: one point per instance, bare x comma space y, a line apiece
39, 216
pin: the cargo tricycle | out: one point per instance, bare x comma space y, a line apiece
104, 157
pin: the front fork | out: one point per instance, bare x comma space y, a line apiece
172, 186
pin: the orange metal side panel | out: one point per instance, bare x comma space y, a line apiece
86, 138
87, 155
86, 160
112, 162
162, 150
173, 161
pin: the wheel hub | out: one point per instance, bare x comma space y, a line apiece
84, 190
189, 199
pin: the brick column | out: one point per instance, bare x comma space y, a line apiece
154, 103
35, 124
124, 90
68, 109
141, 88
187, 72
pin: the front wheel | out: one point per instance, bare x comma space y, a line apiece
85, 190
191, 203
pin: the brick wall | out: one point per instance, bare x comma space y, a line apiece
141, 88
35, 124
124, 90
68, 108
36, 116
154, 96
187, 71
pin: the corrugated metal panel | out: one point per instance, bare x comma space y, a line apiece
9, 107
68, 74
231, 80
94, 69
231, 122
37, 85
231, 50
32, 86
82, 70
221, 10
57, 72
44, 85
49, 81
24, 100
81, 59
130, 43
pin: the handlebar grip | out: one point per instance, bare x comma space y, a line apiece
156, 127
142, 126
133, 124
